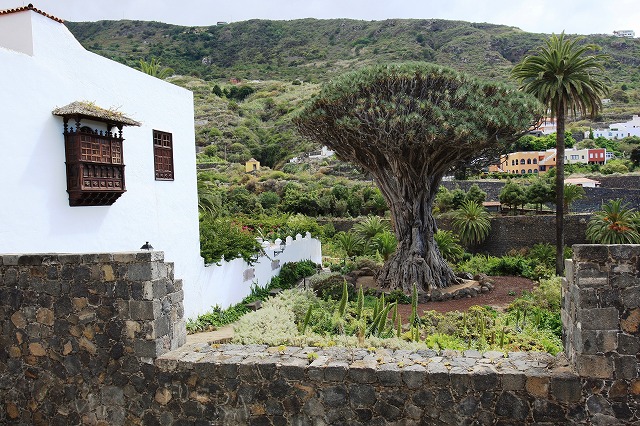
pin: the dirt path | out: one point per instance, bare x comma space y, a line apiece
506, 289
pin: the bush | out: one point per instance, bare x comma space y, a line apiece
509, 265
224, 238
292, 272
269, 325
331, 287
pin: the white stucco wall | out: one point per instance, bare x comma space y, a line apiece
15, 32
35, 215
227, 284
48, 68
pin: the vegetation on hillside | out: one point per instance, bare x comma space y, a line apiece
281, 60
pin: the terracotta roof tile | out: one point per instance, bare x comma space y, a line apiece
30, 7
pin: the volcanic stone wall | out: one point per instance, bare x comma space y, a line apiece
99, 339
79, 333
520, 232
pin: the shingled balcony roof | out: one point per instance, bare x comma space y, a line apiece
89, 110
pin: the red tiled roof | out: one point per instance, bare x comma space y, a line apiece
30, 7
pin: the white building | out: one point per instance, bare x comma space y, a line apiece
618, 130
103, 194
624, 33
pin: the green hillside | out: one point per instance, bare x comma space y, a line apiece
282, 62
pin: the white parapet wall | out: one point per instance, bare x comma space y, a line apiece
227, 283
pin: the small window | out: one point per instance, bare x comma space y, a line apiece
163, 155
522, 161
528, 160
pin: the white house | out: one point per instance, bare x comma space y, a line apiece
583, 182
624, 33
123, 173
618, 130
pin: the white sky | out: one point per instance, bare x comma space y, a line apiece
543, 16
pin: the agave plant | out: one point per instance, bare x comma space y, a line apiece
616, 223
471, 222
449, 246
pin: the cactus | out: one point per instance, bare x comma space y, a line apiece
307, 318
359, 303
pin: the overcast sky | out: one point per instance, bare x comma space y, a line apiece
544, 16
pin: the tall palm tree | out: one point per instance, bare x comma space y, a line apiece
565, 80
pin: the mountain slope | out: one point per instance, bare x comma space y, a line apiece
312, 51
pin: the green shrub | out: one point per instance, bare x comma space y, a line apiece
224, 238
510, 265
449, 246
292, 272
331, 287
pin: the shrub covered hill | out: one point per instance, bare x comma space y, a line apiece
250, 77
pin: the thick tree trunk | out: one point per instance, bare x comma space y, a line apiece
417, 258
560, 116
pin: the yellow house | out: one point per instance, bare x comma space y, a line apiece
520, 163
252, 165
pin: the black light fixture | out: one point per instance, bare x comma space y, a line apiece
146, 246
279, 248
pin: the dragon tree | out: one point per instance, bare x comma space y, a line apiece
407, 125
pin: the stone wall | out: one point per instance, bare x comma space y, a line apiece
612, 187
519, 232
98, 339
79, 333
601, 311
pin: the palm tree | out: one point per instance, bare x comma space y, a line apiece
471, 222
385, 243
153, 68
448, 245
371, 226
350, 244
616, 223
565, 80
572, 193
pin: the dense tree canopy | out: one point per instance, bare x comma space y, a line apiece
407, 124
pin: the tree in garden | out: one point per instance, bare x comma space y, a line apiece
471, 222
475, 194
512, 195
572, 193
538, 193
565, 80
635, 156
407, 124
616, 223
209, 199
349, 243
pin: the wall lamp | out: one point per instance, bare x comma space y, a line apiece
280, 246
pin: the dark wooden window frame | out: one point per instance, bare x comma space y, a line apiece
163, 155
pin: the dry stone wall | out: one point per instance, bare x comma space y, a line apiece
99, 339
79, 334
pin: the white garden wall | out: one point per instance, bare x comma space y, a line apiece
230, 282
